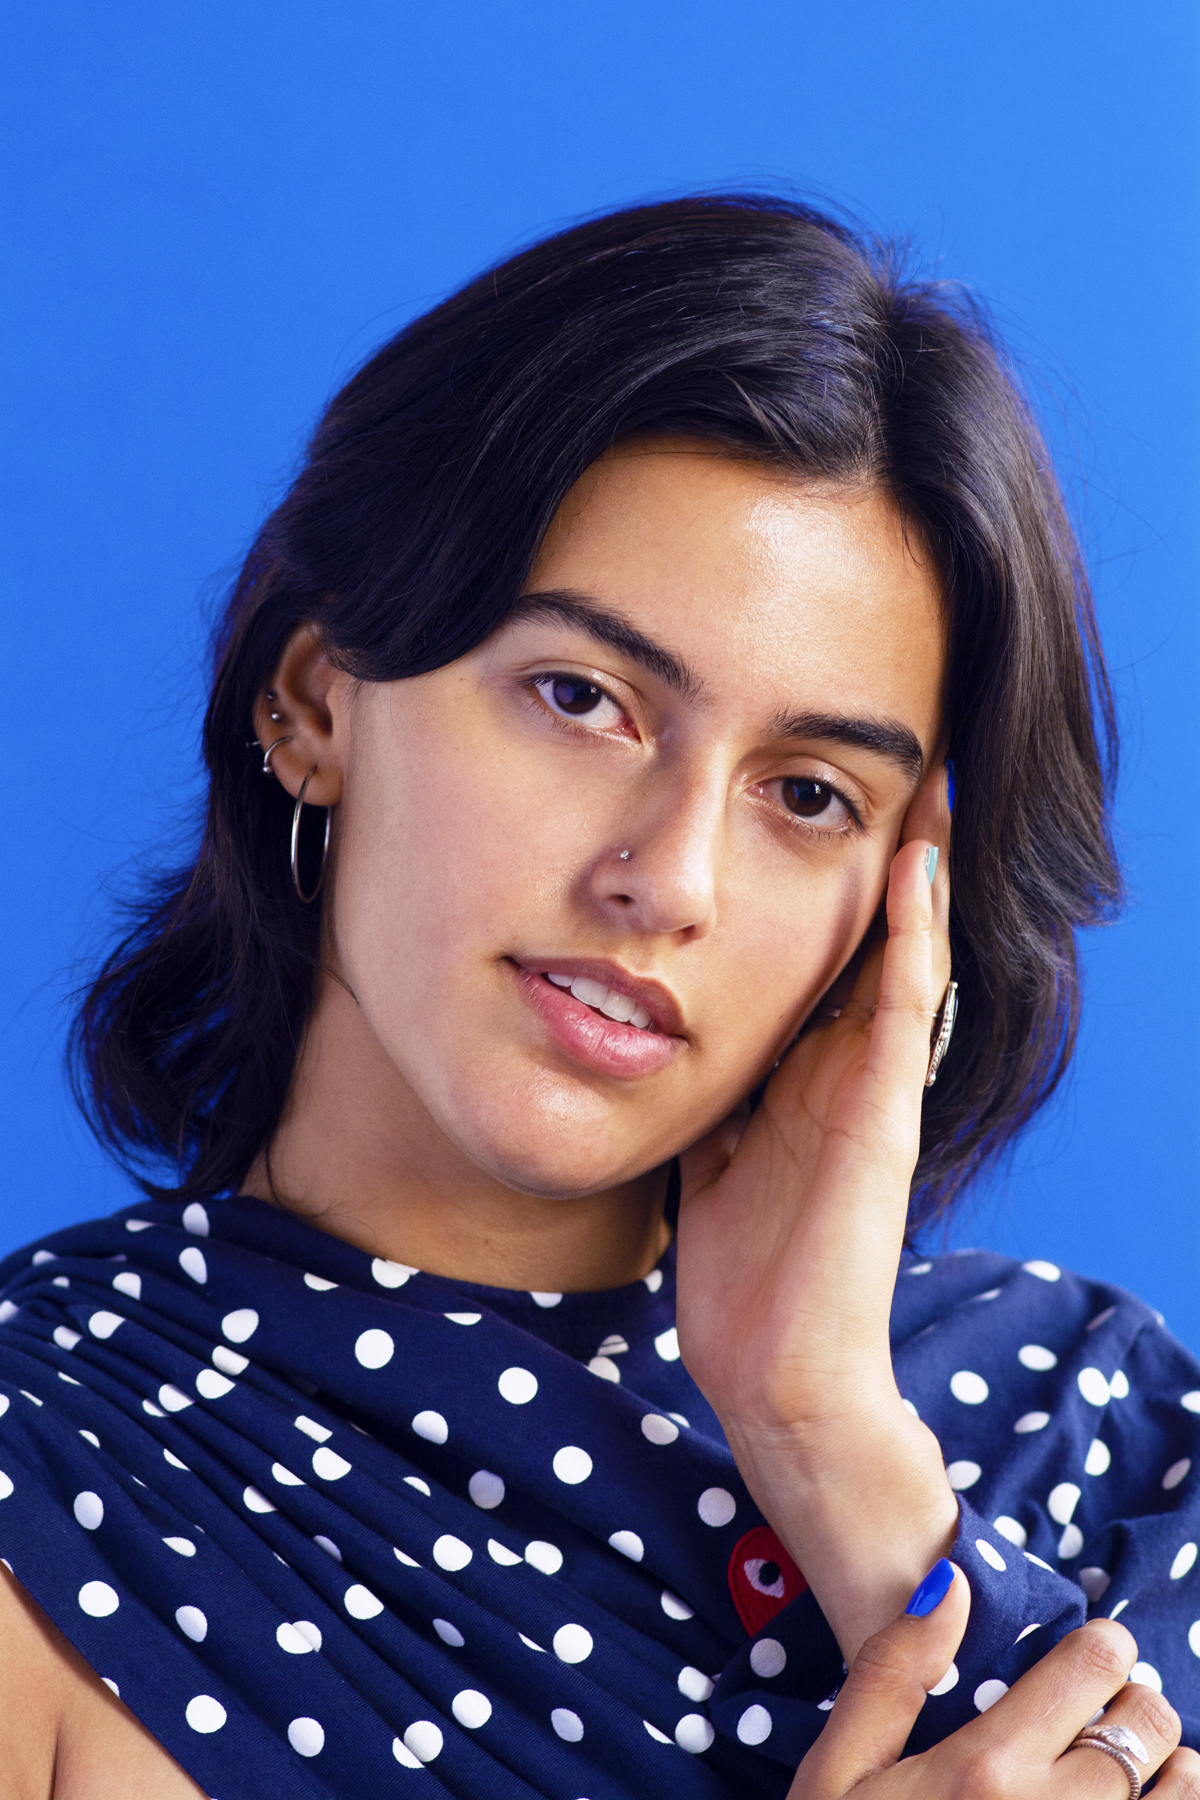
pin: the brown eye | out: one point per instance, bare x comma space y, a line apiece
575, 697
807, 799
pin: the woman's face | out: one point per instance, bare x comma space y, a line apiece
673, 782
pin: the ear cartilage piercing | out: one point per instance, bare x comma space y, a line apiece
269, 752
276, 717
270, 693
625, 855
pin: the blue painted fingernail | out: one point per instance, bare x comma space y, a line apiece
931, 859
932, 1591
950, 785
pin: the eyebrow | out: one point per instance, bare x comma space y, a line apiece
882, 737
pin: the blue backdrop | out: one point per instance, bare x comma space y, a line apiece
215, 212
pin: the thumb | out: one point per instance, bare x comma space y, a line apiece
887, 1687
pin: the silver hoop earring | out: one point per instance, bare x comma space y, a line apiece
269, 752
307, 899
944, 1027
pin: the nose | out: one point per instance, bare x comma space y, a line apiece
658, 871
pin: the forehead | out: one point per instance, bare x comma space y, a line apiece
808, 589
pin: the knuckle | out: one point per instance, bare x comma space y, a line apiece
1104, 1650
881, 1672
1151, 1715
990, 1774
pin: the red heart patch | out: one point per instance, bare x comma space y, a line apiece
763, 1579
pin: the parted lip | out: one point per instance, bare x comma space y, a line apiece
657, 999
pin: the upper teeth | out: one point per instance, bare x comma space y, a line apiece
604, 999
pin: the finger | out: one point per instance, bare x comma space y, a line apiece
1152, 1719
1179, 1777
928, 818
1055, 1699
908, 997
884, 1691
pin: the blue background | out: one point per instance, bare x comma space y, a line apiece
214, 212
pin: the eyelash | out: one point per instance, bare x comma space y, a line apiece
565, 723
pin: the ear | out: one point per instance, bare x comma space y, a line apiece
304, 705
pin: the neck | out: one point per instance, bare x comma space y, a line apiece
357, 1154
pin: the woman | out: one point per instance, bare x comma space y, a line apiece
622, 621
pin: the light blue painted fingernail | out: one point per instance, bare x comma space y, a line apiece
931, 861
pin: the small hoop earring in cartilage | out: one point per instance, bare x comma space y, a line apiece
944, 1028
269, 752
307, 899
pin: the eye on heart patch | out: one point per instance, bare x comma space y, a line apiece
763, 1579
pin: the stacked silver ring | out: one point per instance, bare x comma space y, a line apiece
1124, 1746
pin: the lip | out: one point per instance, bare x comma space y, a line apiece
603, 1044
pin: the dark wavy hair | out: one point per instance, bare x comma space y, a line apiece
759, 325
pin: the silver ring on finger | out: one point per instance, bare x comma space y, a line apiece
1124, 1746
943, 1026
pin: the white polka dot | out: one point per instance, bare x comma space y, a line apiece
1194, 1638
192, 1622
299, 1637
392, 1274
423, 1737
1191, 1401
451, 1553
1037, 1357
103, 1324
660, 1737
464, 1318
1070, 1543
205, 1714
329, 1465
1118, 1385
329, 1547
921, 1268
694, 1684
229, 1360
653, 1280
988, 1692
404, 1755
8, 1310
968, 1387
572, 1643
486, 1489
361, 1603
409, 1562
240, 1325
65, 1338
545, 1299
1026, 1633
1032, 1421
1118, 1609
318, 1284
422, 1487
195, 1219
1045, 1271
212, 1386
1062, 1502
667, 1345
1094, 1582
546, 1557
449, 1634
567, 1724
1030, 1557
306, 1737
112, 1685
1097, 1459
716, 1506
257, 1502
673, 1606
1184, 1562
170, 1456
97, 1599
471, 1708
432, 1427
949, 1680
1012, 1529
962, 1475
990, 1554
1146, 1676
180, 1545
171, 1399
192, 1262
605, 1367
768, 1657
629, 1544
909, 1407
32, 1397
517, 1386
127, 1282
1176, 1472
658, 1430
694, 1733
374, 1349
284, 1476
529, 1643
1093, 1387
69, 1379
139, 1225
754, 1726
89, 1510
991, 1294
500, 1553
572, 1465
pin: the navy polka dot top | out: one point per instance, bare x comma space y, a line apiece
329, 1525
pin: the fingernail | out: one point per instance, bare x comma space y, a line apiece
931, 859
950, 785
932, 1591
